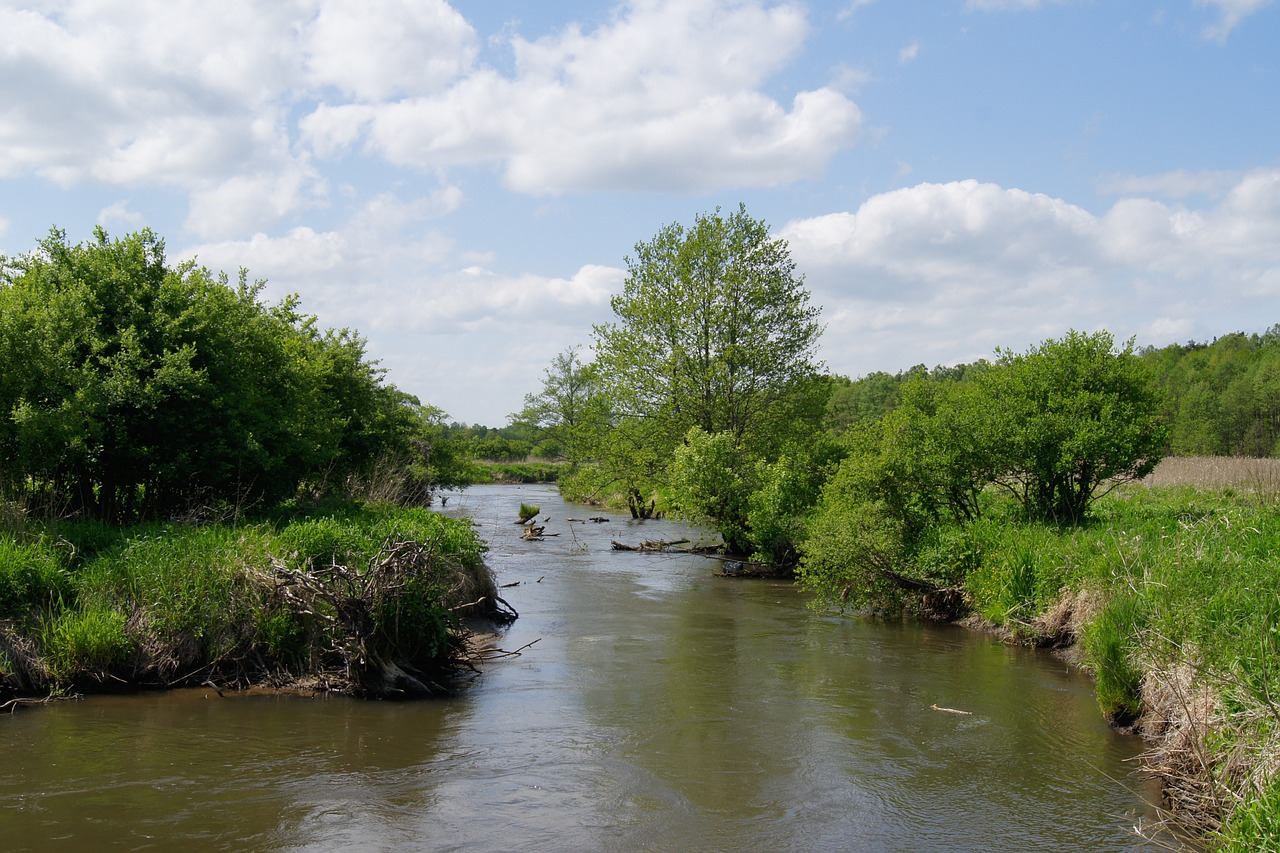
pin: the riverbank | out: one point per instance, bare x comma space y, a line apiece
1169, 599
353, 598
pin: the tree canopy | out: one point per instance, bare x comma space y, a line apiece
129, 387
714, 330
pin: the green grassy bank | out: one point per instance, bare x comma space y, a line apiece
1170, 597
363, 599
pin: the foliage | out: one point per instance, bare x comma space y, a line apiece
90, 641
1255, 823
786, 491
131, 388
714, 329
571, 411
1073, 416
167, 604
707, 372
712, 480
1221, 398
854, 552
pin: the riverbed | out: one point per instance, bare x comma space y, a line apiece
654, 707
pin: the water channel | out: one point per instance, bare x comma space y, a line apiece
661, 708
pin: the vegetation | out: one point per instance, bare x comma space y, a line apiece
352, 598
168, 445
130, 390
195, 485
1003, 489
704, 380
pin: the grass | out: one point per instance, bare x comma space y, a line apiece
1173, 594
519, 472
338, 593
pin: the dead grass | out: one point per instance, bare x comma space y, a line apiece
1210, 755
1259, 476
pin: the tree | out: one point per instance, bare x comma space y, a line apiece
130, 388
570, 410
714, 330
1075, 418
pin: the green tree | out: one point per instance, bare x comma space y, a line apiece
131, 388
713, 346
570, 410
1075, 418
714, 330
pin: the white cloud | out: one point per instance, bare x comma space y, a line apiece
442, 324
851, 7
374, 50
908, 53
1231, 12
244, 106
664, 96
119, 213
942, 273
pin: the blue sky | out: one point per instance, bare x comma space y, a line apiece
463, 182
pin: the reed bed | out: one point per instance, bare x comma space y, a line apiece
1253, 475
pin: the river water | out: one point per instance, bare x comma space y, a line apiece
660, 708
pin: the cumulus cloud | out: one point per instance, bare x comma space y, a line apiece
909, 53
375, 50
244, 106
438, 323
942, 273
664, 96
118, 213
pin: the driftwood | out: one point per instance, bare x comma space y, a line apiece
951, 711
650, 545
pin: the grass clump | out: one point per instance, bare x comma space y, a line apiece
367, 599
90, 642
33, 576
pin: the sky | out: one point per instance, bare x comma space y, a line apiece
463, 182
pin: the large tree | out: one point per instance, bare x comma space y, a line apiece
713, 348
714, 330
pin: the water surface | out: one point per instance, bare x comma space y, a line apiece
661, 708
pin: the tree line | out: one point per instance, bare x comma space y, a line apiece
703, 395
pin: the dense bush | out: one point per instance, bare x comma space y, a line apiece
131, 388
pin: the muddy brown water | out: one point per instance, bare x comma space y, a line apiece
661, 709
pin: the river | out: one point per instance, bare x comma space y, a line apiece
660, 708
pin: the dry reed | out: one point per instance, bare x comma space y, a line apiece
1259, 476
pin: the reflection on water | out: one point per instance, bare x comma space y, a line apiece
661, 709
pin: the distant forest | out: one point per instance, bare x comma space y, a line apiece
1220, 398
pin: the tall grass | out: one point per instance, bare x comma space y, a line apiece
33, 576
168, 604
1181, 631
